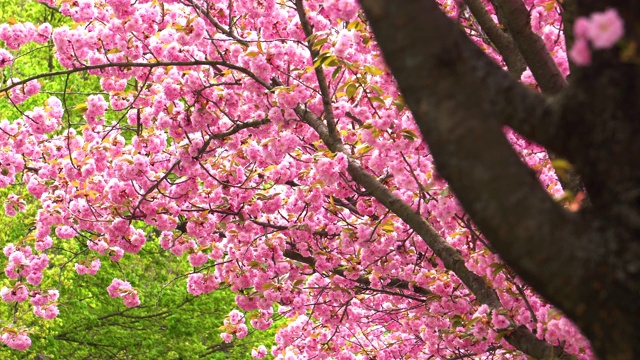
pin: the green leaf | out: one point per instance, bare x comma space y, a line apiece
351, 90
409, 135
336, 72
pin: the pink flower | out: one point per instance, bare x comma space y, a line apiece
131, 299
80, 269
482, 310
197, 259
39, 299
9, 209
605, 29
116, 286
499, 321
44, 244
43, 33
116, 253
95, 266
236, 317
18, 341
47, 313
123, 289
18, 293
581, 27
259, 353
32, 87
34, 278
122, 8
5, 58
580, 53
91, 270
65, 232
96, 107
241, 331
602, 29
226, 337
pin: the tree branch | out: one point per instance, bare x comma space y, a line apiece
139, 65
503, 42
520, 337
491, 182
532, 47
361, 280
322, 79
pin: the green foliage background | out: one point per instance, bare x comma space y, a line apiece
169, 324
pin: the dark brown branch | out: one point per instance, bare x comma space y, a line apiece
361, 280
516, 17
227, 31
535, 117
500, 193
139, 65
503, 42
319, 71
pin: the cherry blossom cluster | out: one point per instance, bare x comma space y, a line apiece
14, 204
91, 269
234, 326
16, 35
601, 30
123, 289
259, 352
23, 263
15, 339
19, 94
44, 305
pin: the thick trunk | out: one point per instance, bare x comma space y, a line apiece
587, 264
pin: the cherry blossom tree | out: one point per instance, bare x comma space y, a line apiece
268, 144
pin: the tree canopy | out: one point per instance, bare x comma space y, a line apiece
268, 144
170, 324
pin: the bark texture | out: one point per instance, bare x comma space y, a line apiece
585, 263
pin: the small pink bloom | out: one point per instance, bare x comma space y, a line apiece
197, 259
236, 317
242, 331
116, 253
259, 353
606, 29
80, 269
131, 299
44, 244
47, 313
116, 285
5, 58
65, 232
499, 321
226, 337
580, 53
581, 27
19, 341
43, 33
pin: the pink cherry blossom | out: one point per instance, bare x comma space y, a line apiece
580, 53
6, 58
259, 352
92, 269
18, 341
605, 29
124, 290
226, 337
